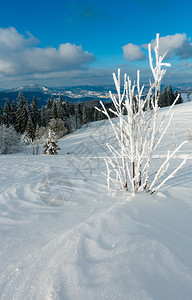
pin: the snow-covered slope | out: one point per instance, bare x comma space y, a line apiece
63, 237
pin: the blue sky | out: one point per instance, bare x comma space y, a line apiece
83, 42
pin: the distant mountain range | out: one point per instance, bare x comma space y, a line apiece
73, 94
76, 94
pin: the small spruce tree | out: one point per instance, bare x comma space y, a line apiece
50, 146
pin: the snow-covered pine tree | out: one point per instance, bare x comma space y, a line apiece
50, 146
67, 107
138, 134
28, 108
170, 95
90, 114
7, 114
30, 129
21, 114
13, 113
1, 115
84, 115
54, 112
163, 98
35, 116
52, 100
78, 116
43, 116
21, 119
49, 110
72, 123
60, 108
96, 115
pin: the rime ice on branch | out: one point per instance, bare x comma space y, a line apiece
137, 132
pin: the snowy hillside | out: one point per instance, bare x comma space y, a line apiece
63, 237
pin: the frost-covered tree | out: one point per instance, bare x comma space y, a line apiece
139, 132
50, 146
26, 143
30, 146
9, 140
58, 127
35, 147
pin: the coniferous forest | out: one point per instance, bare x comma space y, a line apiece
26, 122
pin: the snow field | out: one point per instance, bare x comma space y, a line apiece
95, 246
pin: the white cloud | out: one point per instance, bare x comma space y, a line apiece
12, 40
133, 52
19, 55
177, 45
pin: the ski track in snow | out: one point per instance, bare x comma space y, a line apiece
95, 246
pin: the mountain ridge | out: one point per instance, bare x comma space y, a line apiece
74, 94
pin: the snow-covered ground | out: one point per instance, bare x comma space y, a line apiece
186, 97
63, 237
